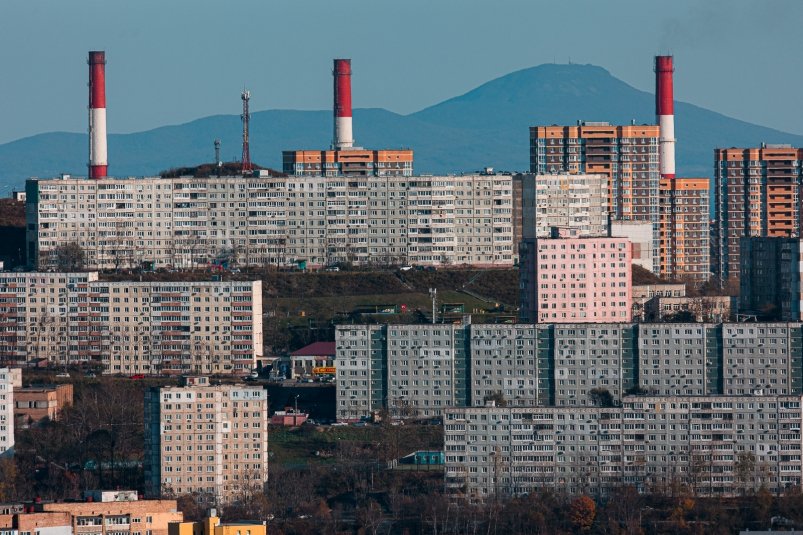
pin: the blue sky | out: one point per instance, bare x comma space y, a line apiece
171, 61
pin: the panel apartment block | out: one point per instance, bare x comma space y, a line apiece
571, 280
769, 282
684, 229
408, 370
206, 439
191, 222
757, 194
131, 327
648, 442
396, 367
573, 201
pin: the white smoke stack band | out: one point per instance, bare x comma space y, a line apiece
667, 144
343, 133
98, 151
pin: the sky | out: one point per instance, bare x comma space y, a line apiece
172, 61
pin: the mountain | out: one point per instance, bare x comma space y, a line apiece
488, 126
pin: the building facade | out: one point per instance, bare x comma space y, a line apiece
6, 412
640, 235
769, 280
684, 231
112, 512
192, 222
574, 201
716, 445
131, 327
415, 371
757, 194
626, 155
206, 439
32, 404
571, 280
352, 162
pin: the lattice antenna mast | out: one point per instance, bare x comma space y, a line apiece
246, 117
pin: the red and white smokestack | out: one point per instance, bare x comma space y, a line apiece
343, 134
98, 157
665, 110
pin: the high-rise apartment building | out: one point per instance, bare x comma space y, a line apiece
626, 155
770, 278
353, 162
6, 411
757, 193
572, 201
685, 235
206, 439
575, 280
418, 370
190, 222
647, 442
131, 327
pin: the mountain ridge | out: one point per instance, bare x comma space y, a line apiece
485, 126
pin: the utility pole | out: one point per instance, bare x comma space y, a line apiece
433, 294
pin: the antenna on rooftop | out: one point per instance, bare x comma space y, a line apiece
246, 117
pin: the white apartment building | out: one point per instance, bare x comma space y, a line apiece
717, 445
131, 327
578, 202
7, 381
188, 222
206, 439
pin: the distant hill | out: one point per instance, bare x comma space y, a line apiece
488, 126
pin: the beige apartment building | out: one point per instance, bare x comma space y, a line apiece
131, 327
715, 445
206, 439
260, 220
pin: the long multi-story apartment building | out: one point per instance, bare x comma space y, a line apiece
573, 201
571, 280
715, 445
418, 370
626, 155
756, 194
684, 230
209, 440
351, 162
131, 327
189, 222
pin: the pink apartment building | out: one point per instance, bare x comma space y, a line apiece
575, 280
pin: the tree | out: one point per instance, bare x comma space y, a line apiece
745, 467
601, 397
497, 397
70, 257
582, 512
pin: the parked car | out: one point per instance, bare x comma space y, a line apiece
63, 375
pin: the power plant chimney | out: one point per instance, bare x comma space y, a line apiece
665, 111
343, 133
98, 157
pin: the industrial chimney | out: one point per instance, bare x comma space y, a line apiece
98, 158
665, 111
343, 133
